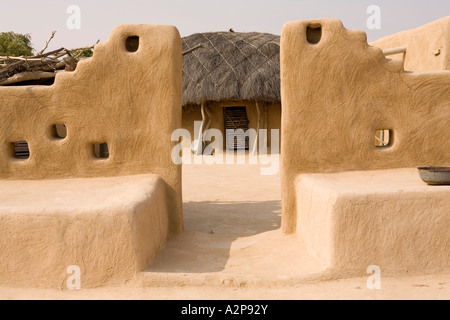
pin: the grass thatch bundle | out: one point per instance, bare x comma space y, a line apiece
230, 66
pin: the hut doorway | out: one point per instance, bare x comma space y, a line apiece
236, 118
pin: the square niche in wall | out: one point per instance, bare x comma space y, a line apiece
59, 131
101, 151
21, 150
383, 138
132, 44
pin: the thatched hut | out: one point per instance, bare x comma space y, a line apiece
231, 80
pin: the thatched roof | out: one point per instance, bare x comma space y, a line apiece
228, 66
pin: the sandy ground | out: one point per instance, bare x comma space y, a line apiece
414, 288
233, 249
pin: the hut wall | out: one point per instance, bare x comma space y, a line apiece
129, 100
428, 47
193, 113
338, 92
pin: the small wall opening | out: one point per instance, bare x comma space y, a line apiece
101, 150
314, 34
132, 44
59, 131
21, 150
383, 138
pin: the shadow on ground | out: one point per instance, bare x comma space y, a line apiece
211, 229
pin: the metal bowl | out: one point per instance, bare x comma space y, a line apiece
435, 176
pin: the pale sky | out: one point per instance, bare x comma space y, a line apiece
98, 17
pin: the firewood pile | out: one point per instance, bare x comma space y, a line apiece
26, 69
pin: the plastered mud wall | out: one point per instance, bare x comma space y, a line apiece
125, 96
193, 113
337, 92
427, 47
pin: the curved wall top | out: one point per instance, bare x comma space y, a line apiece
127, 96
338, 92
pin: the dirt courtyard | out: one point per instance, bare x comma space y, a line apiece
233, 249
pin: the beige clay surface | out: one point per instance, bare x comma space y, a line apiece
129, 100
427, 47
338, 93
388, 218
109, 227
243, 210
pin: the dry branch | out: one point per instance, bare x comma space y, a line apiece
19, 58
28, 76
41, 66
85, 48
47, 43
